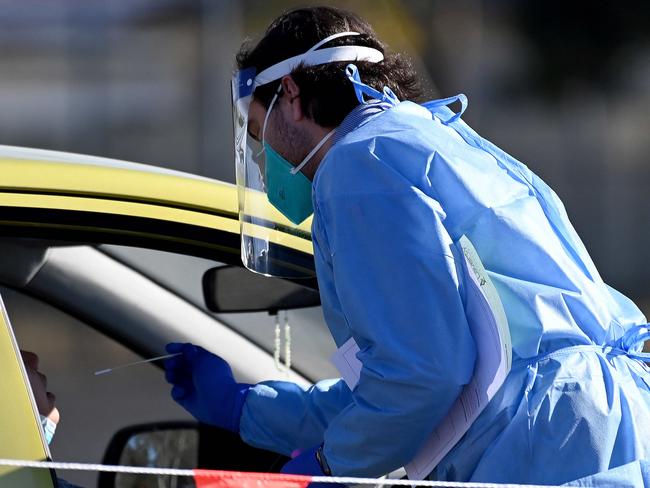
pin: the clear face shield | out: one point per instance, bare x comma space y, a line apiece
274, 196
266, 235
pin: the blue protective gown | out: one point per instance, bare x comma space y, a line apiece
391, 199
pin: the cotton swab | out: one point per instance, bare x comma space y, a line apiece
135, 363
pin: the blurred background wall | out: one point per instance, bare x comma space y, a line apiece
563, 86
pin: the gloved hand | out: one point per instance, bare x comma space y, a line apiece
307, 463
204, 386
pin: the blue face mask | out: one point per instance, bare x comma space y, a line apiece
49, 427
289, 193
287, 189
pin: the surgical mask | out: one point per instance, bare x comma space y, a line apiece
288, 190
49, 427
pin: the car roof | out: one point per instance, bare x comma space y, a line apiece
68, 173
86, 198
27, 153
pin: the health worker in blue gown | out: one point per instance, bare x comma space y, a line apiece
326, 122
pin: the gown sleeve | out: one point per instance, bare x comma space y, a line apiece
281, 416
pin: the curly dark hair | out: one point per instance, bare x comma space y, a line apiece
326, 94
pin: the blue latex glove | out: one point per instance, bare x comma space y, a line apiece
307, 463
204, 386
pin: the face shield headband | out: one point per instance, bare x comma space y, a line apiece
245, 81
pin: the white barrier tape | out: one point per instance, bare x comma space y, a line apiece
315, 479
439, 484
95, 467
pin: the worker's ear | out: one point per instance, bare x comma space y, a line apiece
291, 99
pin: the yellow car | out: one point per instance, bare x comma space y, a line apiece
103, 262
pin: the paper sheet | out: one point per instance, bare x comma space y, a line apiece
489, 328
345, 360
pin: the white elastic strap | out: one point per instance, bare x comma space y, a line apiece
312, 152
314, 58
332, 37
268, 112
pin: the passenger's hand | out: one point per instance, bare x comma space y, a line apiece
203, 385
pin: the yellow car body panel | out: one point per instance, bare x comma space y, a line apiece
33, 179
119, 183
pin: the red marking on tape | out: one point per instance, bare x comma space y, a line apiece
234, 479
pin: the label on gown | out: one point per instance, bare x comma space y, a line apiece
489, 328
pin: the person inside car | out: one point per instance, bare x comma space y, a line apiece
45, 402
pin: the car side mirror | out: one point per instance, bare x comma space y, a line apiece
229, 289
180, 445
159, 445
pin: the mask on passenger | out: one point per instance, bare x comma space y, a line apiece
49, 427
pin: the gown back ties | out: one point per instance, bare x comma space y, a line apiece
630, 345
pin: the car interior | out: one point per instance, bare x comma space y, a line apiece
84, 307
